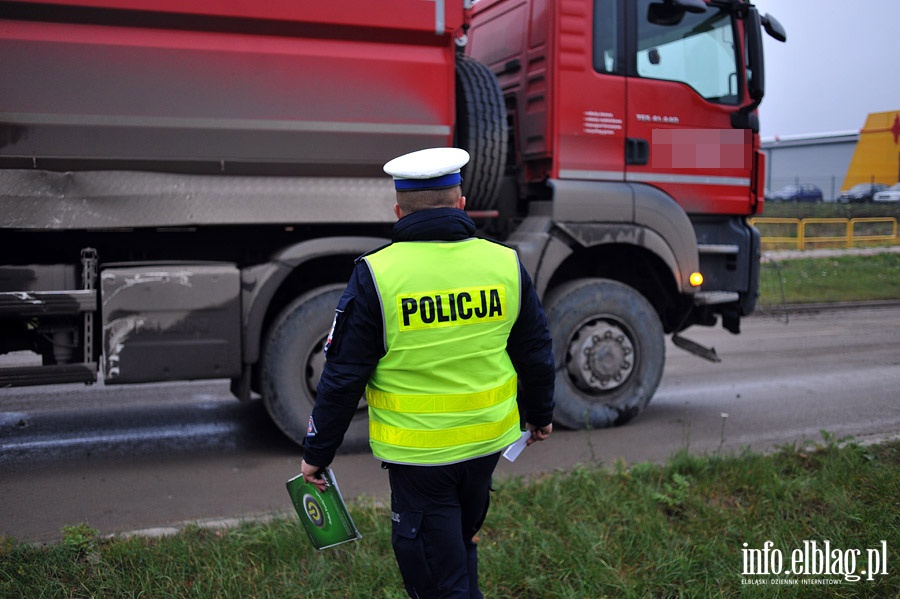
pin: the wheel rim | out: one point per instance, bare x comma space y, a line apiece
600, 356
315, 366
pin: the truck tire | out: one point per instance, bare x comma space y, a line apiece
610, 350
481, 131
293, 361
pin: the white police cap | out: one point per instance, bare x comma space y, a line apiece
433, 168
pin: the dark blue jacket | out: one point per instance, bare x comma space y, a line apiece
357, 342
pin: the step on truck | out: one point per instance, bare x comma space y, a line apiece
184, 184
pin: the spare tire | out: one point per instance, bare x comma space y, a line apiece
481, 130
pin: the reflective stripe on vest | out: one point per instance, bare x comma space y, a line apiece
445, 390
443, 446
429, 404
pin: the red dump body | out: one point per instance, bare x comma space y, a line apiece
200, 85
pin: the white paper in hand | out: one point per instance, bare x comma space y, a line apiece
513, 451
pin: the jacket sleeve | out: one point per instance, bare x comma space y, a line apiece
355, 347
531, 350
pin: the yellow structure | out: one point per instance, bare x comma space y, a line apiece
877, 155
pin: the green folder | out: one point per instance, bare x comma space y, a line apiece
323, 514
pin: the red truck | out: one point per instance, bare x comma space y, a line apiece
184, 184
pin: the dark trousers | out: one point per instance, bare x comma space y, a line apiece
436, 510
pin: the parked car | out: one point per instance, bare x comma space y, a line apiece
891, 194
802, 192
861, 192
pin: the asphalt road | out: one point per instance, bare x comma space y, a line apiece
153, 457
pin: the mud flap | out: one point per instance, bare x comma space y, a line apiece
707, 353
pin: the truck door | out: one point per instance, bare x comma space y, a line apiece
684, 81
591, 92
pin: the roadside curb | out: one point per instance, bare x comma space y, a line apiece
212, 524
823, 307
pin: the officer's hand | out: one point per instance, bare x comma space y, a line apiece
538, 433
313, 474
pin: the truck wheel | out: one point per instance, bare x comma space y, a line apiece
293, 361
610, 351
481, 131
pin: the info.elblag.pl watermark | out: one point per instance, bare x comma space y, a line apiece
815, 562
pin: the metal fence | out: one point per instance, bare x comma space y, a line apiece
802, 233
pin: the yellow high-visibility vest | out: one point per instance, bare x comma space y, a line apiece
445, 391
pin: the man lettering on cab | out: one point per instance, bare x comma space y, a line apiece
446, 334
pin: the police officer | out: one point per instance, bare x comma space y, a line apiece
445, 333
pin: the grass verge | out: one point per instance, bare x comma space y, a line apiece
671, 530
837, 279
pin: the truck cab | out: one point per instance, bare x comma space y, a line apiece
634, 152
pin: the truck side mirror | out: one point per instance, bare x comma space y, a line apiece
774, 28
756, 84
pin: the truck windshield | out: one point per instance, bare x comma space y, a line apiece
699, 50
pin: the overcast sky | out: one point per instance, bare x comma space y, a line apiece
840, 62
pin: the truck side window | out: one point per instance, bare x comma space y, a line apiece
606, 36
699, 50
